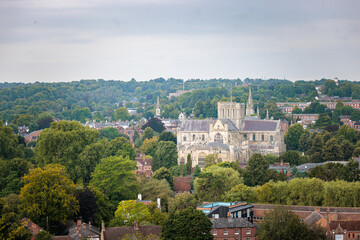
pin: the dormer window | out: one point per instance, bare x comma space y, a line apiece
218, 138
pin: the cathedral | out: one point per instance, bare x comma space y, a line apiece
234, 136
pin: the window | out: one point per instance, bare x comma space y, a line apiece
229, 113
201, 161
223, 113
236, 231
194, 137
184, 138
262, 137
182, 160
233, 113
245, 136
254, 137
271, 138
203, 137
248, 231
218, 138
225, 232
214, 232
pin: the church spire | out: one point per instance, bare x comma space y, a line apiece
157, 111
267, 114
258, 111
250, 105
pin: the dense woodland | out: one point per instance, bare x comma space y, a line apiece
77, 171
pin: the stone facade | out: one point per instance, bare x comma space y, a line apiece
232, 137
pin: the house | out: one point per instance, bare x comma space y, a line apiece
341, 230
228, 209
32, 137
111, 233
281, 167
233, 228
33, 228
143, 165
182, 185
82, 230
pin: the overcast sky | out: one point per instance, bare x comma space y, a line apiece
69, 40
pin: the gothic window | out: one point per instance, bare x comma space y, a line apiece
201, 159
203, 137
194, 137
254, 137
245, 136
184, 138
223, 113
228, 113
182, 160
218, 138
271, 138
262, 137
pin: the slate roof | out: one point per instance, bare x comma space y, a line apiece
231, 125
112, 233
260, 125
196, 125
231, 223
240, 208
314, 217
345, 225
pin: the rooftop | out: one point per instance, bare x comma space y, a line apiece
231, 223
260, 125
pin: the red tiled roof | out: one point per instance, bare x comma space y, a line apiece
346, 225
119, 232
182, 184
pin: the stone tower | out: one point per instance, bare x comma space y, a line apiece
157, 111
233, 111
250, 105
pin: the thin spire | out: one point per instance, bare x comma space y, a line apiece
258, 111
231, 94
267, 114
158, 102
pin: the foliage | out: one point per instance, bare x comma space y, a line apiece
148, 146
281, 223
129, 211
11, 228
8, 143
10, 176
240, 192
157, 217
165, 155
121, 114
187, 224
48, 193
111, 133
167, 136
139, 236
155, 124
211, 159
164, 173
43, 235
121, 147
156, 189
88, 206
62, 143
214, 181
182, 201
256, 170
114, 176
292, 136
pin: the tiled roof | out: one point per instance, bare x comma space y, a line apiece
231, 125
231, 223
182, 184
196, 125
345, 225
260, 125
145, 162
313, 218
112, 233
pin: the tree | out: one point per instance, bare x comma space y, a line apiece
330, 87
211, 159
188, 164
44, 120
305, 141
214, 181
257, 170
347, 132
165, 155
187, 224
8, 143
281, 223
110, 133
47, 195
182, 201
10, 176
129, 211
167, 136
331, 152
292, 157
292, 136
155, 124
347, 149
115, 177
148, 133
352, 171
149, 146
323, 121
121, 114
88, 206
62, 143
240, 192
11, 228
43, 235
157, 189
122, 147
164, 173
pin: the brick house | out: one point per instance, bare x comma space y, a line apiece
143, 165
341, 230
233, 229
281, 167
182, 185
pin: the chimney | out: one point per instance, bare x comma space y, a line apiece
78, 222
136, 225
317, 209
281, 163
139, 197
89, 224
158, 203
229, 215
102, 226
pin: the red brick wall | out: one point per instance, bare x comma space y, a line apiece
232, 236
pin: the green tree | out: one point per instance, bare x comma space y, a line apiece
323, 121
347, 132
214, 181
121, 114
292, 157
115, 177
128, 211
11, 228
167, 136
8, 143
347, 149
10, 177
122, 147
157, 189
48, 195
240, 192
187, 224
43, 235
188, 164
62, 143
332, 152
148, 133
148, 146
256, 170
164, 173
182, 201
281, 223
155, 124
165, 155
305, 141
211, 159
292, 136
110, 133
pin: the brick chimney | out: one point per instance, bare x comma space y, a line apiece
229, 215
136, 225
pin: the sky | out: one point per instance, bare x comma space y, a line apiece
70, 40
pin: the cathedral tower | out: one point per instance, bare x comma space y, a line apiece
250, 105
233, 111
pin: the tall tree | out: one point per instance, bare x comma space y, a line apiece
115, 177
121, 114
257, 170
164, 173
122, 147
155, 124
149, 146
187, 224
8, 143
128, 211
157, 189
165, 155
331, 152
47, 195
292, 136
182, 201
167, 136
